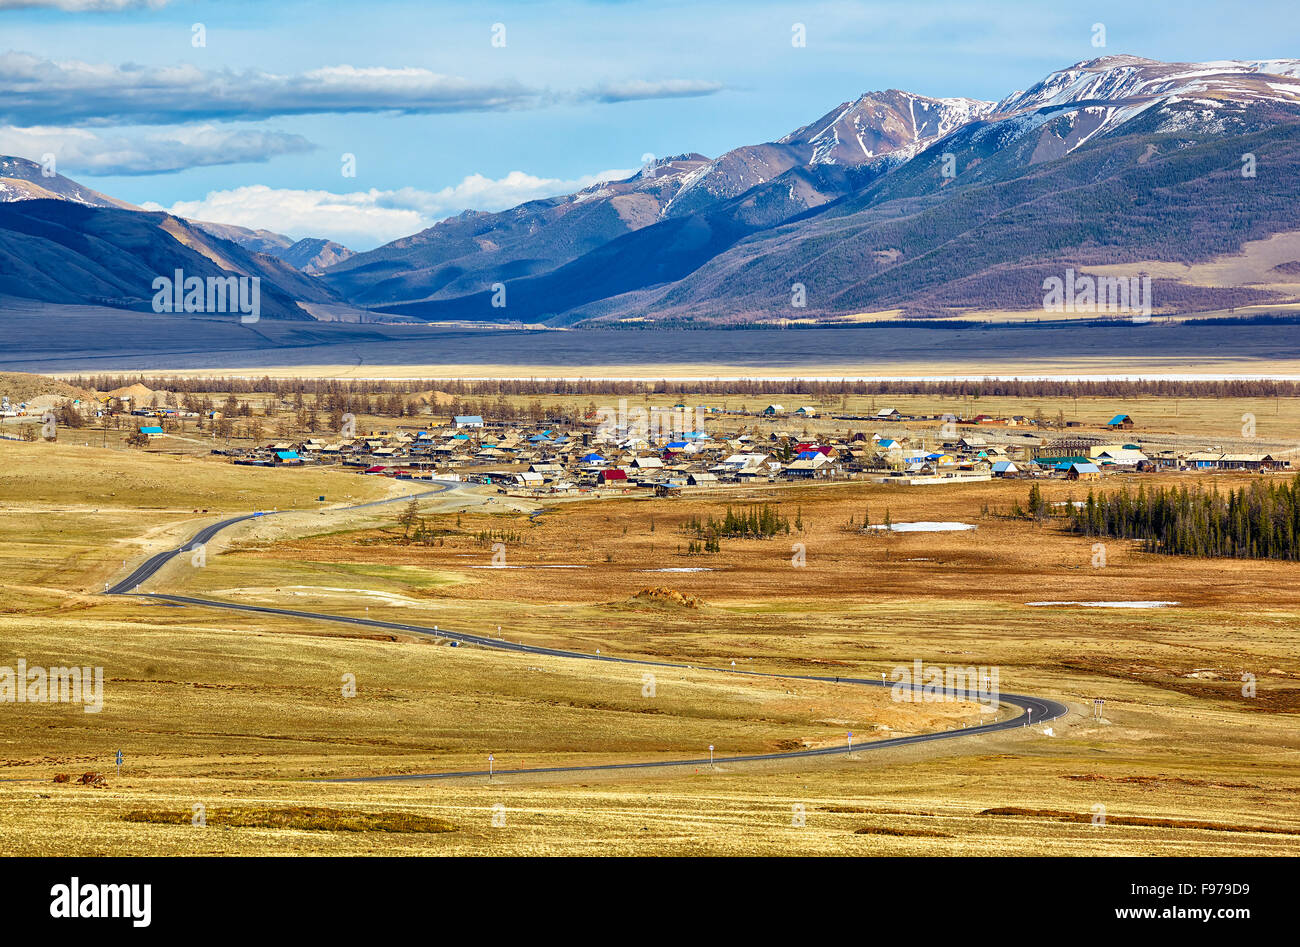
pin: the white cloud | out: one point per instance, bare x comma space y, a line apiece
80, 151
38, 91
365, 219
634, 89
42, 92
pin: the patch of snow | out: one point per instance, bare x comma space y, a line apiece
925, 527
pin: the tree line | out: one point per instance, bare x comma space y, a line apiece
1259, 521
346, 390
761, 521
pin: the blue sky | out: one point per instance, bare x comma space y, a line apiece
250, 128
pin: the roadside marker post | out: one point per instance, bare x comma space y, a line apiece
710, 754
119, 763
491, 760
850, 741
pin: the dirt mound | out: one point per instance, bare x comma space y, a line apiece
137, 394
20, 387
662, 596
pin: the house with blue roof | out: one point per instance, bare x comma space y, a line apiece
1060, 463
1120, 422
468, 420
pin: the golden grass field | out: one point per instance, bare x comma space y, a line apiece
244, 715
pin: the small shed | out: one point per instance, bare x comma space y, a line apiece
1085, 471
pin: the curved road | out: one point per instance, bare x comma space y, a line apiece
1035, 709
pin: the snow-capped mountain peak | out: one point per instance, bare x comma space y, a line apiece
1120, 78
878, 123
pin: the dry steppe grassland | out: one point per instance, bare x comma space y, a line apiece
244, 715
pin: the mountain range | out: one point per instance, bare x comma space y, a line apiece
890, 202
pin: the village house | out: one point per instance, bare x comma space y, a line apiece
811, 465
1083, 471
1123, 456
749, 465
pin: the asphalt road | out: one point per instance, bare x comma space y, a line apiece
1034, 710
151, 565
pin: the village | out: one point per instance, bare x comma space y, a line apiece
660, 449
657, 453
